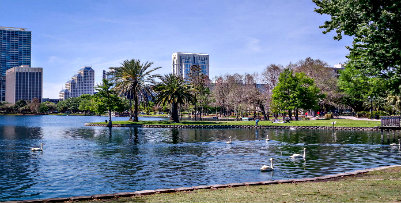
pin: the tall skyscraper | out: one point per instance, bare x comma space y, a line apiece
23, 83
15, 50
182, 63
81, 83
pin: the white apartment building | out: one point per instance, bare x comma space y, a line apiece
81, 83
183, 61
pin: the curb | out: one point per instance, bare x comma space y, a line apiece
218, 186
240, 126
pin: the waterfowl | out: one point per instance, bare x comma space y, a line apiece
394, 144
292, 128
265, 168
267, 138
37, 148
229, 141
299, 155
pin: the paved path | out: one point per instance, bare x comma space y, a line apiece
355, 118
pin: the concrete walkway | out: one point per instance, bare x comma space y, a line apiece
355, 118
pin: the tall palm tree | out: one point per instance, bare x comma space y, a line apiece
175, 91
133, 80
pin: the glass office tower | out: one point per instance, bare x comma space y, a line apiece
15, 50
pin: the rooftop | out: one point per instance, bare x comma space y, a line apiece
12, 28
189, 53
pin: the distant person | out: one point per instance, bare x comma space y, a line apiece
257, 121
306, 114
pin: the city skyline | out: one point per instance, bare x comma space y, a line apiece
242, 37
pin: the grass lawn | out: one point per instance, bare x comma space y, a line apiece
377, 186
339, 123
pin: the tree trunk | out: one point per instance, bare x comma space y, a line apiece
130, 108
174, 113
110, 124
262, 108
136, 106
290, 114
296, 114
200, 115
195, 107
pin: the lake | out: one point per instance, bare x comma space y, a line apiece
79, 160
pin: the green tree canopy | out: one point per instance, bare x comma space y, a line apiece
133, 80
107, 100
174, 91
295, 91
376, 29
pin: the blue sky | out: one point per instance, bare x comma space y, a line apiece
240, 36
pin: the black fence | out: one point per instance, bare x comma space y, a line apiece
390, 121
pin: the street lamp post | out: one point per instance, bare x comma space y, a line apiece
370, 98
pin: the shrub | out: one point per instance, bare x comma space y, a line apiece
328, 116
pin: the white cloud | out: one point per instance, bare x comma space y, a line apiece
254, 45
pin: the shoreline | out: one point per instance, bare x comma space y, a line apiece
325, 178
238, 126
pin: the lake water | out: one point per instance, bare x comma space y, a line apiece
79, 160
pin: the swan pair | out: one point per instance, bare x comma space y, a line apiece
299, 155
37, 148
266, 168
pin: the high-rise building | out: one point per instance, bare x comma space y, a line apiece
15, 50
23, 83
81, 83
182, 63
108, 74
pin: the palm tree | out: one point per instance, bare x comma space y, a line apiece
133, 80
174, 91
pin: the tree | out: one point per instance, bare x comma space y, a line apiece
220, 93
294, 92
325, 79
376, 30
270, 79
85, 103
199, 82
106, 100
357, 87
133, 80
47, 107
174, 91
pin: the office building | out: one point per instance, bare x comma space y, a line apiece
23, 83
81, 83
15, 50
182, 63
108, 74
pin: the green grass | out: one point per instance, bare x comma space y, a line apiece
339, 123
377, 186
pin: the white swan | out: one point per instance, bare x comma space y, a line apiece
37, 148
299, 155
292, 128
394, 144
265, 168
267, 138
229, 141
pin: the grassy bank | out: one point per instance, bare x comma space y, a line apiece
339, 123
377, 186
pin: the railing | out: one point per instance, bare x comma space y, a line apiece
390, 121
